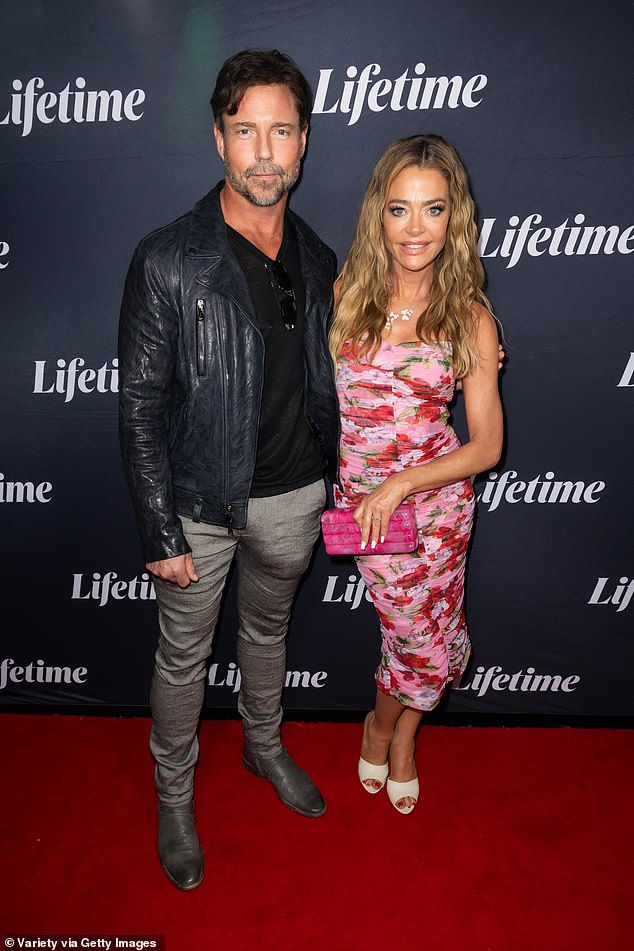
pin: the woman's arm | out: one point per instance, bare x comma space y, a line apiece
484, 420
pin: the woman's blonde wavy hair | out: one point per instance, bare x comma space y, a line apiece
365, 282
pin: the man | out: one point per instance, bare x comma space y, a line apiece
227, 419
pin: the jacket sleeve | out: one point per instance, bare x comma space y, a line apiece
148, 340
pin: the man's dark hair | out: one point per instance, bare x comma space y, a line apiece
258, 68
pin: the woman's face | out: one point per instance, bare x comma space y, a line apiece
415, 218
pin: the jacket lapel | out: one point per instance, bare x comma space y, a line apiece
207, 246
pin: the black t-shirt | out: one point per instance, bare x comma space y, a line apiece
288, 453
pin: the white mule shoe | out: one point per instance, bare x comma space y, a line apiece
368, 771
397, 791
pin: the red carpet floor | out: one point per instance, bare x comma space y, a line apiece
522, 840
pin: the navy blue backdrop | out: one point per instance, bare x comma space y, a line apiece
105, 134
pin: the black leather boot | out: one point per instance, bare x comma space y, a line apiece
179, 848
292, 784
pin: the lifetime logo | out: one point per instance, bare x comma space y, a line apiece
606, 592
24, 491
37, 672
352, 593
70, 378
30, 103
506, 487
628, 374
414, 93
494, 678
231, 677
4, 253
103, 588
569, 240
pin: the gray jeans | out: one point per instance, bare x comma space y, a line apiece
272, 553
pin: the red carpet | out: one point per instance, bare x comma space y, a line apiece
522, 840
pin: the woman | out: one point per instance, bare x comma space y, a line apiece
411, 319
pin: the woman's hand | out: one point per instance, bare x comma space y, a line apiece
372, 515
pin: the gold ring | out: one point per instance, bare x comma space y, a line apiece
376, 518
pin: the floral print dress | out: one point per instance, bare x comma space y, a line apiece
395, 415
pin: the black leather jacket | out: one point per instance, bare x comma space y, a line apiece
191, 364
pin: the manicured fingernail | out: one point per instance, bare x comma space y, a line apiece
362, 545
374, 544
382, 538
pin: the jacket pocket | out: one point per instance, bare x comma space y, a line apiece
201, 338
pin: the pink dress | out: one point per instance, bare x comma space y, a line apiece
395, 415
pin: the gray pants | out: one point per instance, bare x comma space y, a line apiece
272, 553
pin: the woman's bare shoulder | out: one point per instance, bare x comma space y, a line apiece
485, 325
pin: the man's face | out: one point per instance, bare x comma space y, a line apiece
262, 145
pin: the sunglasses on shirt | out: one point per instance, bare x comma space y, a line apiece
280, 281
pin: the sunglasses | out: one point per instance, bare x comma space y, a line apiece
280, 281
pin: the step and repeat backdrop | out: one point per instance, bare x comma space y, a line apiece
106, 134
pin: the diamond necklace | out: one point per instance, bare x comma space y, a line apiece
402, 315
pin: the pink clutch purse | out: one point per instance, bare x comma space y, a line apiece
342, 535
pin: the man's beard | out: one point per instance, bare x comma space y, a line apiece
261, 193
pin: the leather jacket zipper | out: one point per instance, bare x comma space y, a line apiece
225, 375
201, 363
201, 358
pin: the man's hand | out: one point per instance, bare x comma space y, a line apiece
501, 355
179, 570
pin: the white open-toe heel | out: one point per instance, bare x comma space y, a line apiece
397, 791
368, 771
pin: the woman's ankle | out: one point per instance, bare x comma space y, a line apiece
374, 746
